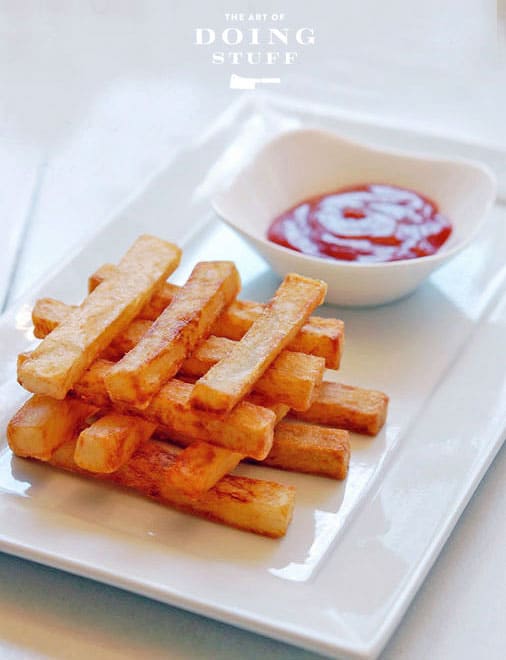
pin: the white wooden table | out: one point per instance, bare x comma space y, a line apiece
93, 97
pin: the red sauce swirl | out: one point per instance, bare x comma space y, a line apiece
367, 223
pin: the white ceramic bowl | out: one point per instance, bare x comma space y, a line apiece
303, 163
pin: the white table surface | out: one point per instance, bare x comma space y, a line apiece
94, 95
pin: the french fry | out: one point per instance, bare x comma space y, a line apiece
310, 448
105, 272
347, 407
49, 313
161, 298
323, 337
319, 336
344, 406
187, 320
43, 423
110, 441
200, 466
242, 367
126, 340
293, 378
227, 382
262, 507
63, 356
280, 410
297, 447
248, 429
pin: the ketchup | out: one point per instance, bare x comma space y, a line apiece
368, 223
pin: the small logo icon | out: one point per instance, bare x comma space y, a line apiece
243, 82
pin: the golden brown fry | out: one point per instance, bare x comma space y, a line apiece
42, 424
297, 447
280, 410
323, 337
344, 406
319, 336
200, 466
160, 353
109, 442
48, 313
248, 429
126, 340
62, 357
161, 298
310, 448
104, 272
262, 507
225, 384
347, 407
293, 378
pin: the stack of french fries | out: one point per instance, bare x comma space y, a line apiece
165, 389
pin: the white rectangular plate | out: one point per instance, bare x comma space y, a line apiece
356, 552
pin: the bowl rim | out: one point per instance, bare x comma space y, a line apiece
441, 255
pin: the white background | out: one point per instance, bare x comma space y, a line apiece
94, 96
